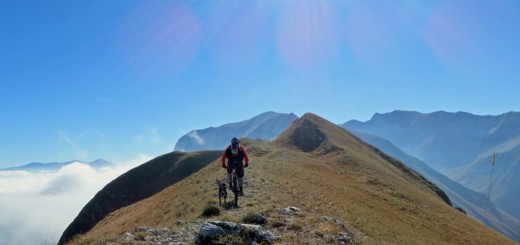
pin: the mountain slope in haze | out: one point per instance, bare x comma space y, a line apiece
444, 140
505, 189
265, 126
460, 146
327, 172
474, 203
55, 166
137, 184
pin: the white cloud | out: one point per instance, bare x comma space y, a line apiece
194, 135
37, 207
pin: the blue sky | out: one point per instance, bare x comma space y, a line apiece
115, 79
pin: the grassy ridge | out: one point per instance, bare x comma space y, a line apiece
137, 184
337, 175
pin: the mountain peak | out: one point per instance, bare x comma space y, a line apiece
312, 132
312, 115
304, 133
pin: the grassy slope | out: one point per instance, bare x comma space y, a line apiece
341, 178
137, 184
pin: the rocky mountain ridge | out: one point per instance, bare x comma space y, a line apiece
474, 203
336, 175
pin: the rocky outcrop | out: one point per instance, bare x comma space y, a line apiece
274, 224
221, 230
281, 221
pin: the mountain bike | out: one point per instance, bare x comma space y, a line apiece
234, 186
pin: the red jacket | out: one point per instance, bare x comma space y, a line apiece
241, 155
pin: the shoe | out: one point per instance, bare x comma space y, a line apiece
241, 193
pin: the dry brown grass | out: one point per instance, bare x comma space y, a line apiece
354, 184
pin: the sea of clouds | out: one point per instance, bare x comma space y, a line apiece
35, 208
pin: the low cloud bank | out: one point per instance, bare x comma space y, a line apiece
37, 207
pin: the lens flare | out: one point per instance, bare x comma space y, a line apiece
158, 39
452, 32
366, 33
243, 41
307, 34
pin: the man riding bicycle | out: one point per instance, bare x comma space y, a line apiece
235, 153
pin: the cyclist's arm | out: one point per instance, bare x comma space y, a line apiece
224, 155
245, 155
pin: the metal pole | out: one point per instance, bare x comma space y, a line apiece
491, 177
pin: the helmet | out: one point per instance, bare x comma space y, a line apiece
234, 145
234, 140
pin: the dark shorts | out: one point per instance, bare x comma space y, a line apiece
239, 166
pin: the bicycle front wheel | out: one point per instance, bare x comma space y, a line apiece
235, 188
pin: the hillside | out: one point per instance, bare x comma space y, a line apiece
458, 145
136, 185
345, 189
265, 126
473, 203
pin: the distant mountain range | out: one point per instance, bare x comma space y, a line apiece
55, 166
442, 139
265, 126
459, 145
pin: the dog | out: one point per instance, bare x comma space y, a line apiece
222, 192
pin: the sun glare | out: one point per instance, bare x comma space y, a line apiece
308, 35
